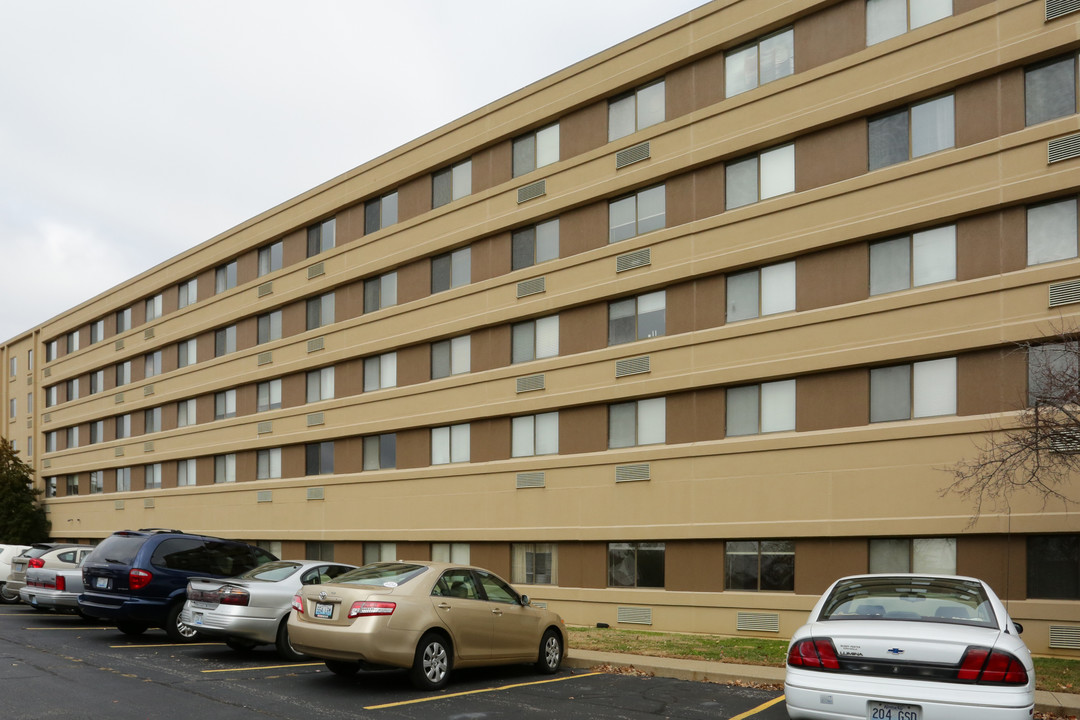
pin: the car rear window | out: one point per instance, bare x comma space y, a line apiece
381, 574
118, 549
945, 600
272, 571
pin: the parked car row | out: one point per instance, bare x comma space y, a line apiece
51, 556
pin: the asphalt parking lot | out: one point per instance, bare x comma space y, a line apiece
61, 666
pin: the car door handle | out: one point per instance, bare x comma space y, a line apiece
444, 606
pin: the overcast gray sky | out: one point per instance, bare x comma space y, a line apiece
131, 130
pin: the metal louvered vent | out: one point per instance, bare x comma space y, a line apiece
117, 452
316, 270
264, 496
148, 503
47, 372
530, 480
633, 366
119, 346
47, 417
118, 398
1065, 442
1063, 148
148, 446
46, 463
530, 383
635, 616
532, 191
315, 419
1058, 8
148, 390
30, 423
265, 358
759, 622
266, 426
1066, 637
633, 473
118, 505
315, 493
316, 344
631, 155
531, 287
636, 259
1064, 293
265, 289
148, 334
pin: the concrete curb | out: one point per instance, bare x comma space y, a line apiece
730, 673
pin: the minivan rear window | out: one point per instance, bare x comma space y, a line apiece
118, 549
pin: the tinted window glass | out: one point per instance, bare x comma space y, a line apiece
208, 557
382, 573
118, 549
271, 572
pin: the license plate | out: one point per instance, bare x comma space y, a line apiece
18, 567
101, 583
892, 711
197, 617
324, 610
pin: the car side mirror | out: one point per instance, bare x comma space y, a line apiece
525, 600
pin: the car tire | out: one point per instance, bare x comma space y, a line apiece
285, 650
551, 652
131, 628
432, 662
7, 596
240, 644
177, 631
343, 668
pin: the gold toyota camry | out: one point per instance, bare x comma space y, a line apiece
428, 617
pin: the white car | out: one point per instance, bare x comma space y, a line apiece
7, 554
909, 647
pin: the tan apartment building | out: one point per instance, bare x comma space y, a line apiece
673, 338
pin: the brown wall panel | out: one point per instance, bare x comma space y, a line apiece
695, 305
348, 455
414, 364
989, 107
988, 558
489, 440
820, 561
204, 471
350, 553
413, 551
204, 409
246, 399
349, 301
293, 461
493, 556
583, 229
583, 564
247, 267
694, 566
830, 34
348, 378
583, 130
492, 166
991, 381
205, 283
694, 86
247, 333
695, 416
349, 224
293, 319
832, 400
832, 277
294, 390
294, 247
168, 417
138, 316
490, 348
583, 429
414, 281
831, 155
991, 243
583, 328
491, 257
414, 198
245, 466
695, 195
413, 448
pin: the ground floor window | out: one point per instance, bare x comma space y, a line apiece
534, 563
636, 564
1053, 567
450, 552
318, 550
765, 565
379, 552
919, 555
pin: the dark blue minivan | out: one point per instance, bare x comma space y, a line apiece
137, 579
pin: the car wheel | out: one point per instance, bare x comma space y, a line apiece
285, 650
551, 652
8, 596
131, 628
343, 668
177, 631
239, 644
432, 662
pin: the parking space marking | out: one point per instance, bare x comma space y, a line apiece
156, 645
759, 708
478, 692
262, 667
110, 627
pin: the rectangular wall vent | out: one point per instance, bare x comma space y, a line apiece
46, 463
1063, 148
532, 191
530, 383
315, 493
148, 390
1064, 293
635, 616
47, 417
1064, 441
636, 259
530, 480
148, 446
1059, 8
265, 289
316, 270
266, 426
117, 452
148, 334
1066, 637
47, 372
148, 503
30, 423
633, 473
119, 346
631, 155
118, 505
531, 287
118, 398
633, 366
758, 622
316, 344
265, 358
315, 419
264, 496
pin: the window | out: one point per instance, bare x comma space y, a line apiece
225, 468
123, 373
225, 277
536, 149
225, 341
270, 327
153, 308
319, 458
268, 395
764, 408
636, 318
97, 432
72, 341
317, 550
50, 486
636, 564
919, 555
185, 473
380, 372
636, 110
380, 213
152, 420
910, 133
450, 552
123, 320
320, 237
50, 351
759, 565
270, 257
224, 404
13, 366
379, 552
73, 437
637, 423
451, 357
637, 214
30, 447
535, 244
152, 363
97, 481
765, 60
452, 183
1053, 372
450, 444
50, 441
320, 311
268, 464
123, 426
72, 485
380, 292
320, 384
71, 387
1050, 90
123, 479
759, 177
51, 396
153, 476
535, 435
534, 563
13, 408
97, 331
888, 18
451, 270
924, 258
535, 339
1053, 567
29, 360
185, 413
30, 401
380, 452
97, 381
1051, 231
186, 352
923, 389
187, 292
761, 291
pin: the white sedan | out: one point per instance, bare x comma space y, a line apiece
909, 647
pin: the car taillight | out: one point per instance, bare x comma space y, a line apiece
998, 667
61, 583
298, 604
138, 579
233, 596
370, 607
36, 563
816, 654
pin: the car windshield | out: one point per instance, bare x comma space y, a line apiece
929, 599
271, 571
381, 574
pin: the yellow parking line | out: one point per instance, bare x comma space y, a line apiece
146, 645
71, 628
759, 708
263, 667
477, 692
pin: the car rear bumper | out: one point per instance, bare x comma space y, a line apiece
43, 597
256, 629
371, 642
124, 609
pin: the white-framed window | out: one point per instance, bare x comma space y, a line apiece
271, 257
72, 389
154, 307
51, 396
123, 320
451, 357
97, 431
225, 404
380, 451
637, 318
97, 482
912, 132
536, 149
152, 364
450, 552
319, 458
380, 372
535, 244
1050, 90
636, 110
637, 214
451, 183
123, 373
97, 331
917, 555
72, 342
382, 212
13, 408
1051, 231
535, 435
269, 327
268, 464
13, 366
923, 258
922, 389
50, 441
450, 444
768, 407
321, 237
320, 384
72, 484
379, 552
380, 292
153, 476
761, 176
152, 420
73, 437
51, 350
186, 352
535, 339
451, 270
642, 422
187, 293
534, 563
97, 381
123, 479
123, 426
225, 341
268, 395
225, 468
185, 472
320, 311
225, 277
761, 291
889, 18
762, 61
185, 413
